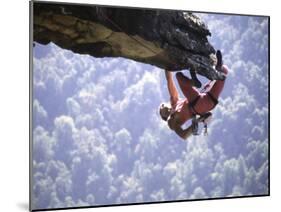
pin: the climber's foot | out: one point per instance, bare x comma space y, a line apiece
219, 60
195, 80
197, 83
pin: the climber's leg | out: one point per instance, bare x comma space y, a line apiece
186, 86
219, 84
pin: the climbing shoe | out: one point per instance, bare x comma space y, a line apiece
219, 60
195, 80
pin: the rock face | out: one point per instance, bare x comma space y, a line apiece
173, 40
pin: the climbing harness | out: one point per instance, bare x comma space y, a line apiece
193, 103
191, 106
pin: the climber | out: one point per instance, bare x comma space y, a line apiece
178, 111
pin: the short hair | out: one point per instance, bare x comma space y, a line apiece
163, 118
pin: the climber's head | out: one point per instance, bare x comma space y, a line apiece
213, 59
165, 110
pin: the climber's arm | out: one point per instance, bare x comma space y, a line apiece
174, 95
183, 133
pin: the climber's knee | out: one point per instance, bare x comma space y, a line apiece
225, 70
179, 75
